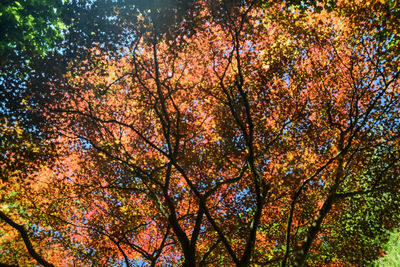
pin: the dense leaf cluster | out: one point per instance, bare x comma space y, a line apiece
198, 133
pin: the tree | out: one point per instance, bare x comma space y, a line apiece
31, 31
242, 144
28, 30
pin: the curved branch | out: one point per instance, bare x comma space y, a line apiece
25, 238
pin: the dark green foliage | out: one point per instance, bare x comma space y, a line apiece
29, 26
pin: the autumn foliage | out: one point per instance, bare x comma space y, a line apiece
264, 135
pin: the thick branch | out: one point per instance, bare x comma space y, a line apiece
25, 238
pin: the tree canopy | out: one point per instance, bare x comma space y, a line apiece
202, 133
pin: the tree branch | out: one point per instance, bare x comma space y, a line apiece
25, 238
